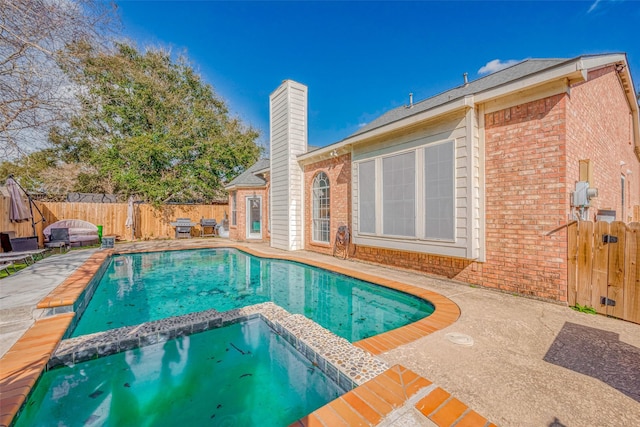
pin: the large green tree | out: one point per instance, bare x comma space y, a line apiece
148, 125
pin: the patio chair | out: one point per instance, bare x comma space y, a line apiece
59, 239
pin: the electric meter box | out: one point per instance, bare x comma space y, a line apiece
583, 194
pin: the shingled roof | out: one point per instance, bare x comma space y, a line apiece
514, 72
249, 178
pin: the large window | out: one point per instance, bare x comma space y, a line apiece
321, 208
233, 208
409, 195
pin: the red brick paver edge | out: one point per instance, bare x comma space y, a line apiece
22, 365
370, 403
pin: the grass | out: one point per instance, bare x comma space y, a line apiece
585, 309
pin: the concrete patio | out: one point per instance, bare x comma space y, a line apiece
532, 363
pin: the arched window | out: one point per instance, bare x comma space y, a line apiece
321, 207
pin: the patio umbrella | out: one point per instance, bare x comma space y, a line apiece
18, 210
129, 222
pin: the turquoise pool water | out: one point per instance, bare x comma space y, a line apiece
239, 375
138, 288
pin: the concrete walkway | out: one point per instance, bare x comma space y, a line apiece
532, 363
21, 292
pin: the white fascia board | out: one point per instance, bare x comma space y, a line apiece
575, 71
341, 147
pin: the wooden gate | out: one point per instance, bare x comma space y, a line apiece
604, 268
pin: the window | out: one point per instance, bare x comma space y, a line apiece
439, 191
399, 195
409, 195
233, 208
321, 207
367, 196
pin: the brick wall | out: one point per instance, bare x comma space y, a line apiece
338, 170
599, 128
526, 198
239, 232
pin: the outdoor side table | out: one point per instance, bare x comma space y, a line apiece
108, 242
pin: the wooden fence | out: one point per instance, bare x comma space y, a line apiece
150, 223
604, 268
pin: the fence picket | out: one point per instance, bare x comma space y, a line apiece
616, 269
600, 267
585, 262
632, 274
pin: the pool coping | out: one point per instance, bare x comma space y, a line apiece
26, 359
347, 365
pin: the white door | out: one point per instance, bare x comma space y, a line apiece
254, 217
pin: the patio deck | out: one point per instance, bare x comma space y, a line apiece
532, 362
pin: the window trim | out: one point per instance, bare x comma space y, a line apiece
314, 199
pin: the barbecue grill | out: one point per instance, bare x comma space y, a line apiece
183, 228
209, 223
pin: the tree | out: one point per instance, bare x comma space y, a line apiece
34, 92
150, 126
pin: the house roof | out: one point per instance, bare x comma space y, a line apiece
506, 75
250, 178
527, 73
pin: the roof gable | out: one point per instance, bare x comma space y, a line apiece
249, 178
506, 75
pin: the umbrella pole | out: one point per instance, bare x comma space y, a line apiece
31, 206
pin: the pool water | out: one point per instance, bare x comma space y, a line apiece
239, 375
138, 288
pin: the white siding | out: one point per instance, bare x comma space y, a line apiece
462, 128
288, 129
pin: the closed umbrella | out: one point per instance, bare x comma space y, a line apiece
129, 222
18, 210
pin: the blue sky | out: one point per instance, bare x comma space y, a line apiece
360, 59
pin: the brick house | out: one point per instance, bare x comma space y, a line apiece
466, 184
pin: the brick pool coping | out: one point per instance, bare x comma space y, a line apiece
368, 404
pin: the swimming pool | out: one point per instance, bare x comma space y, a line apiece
138, 288
238, 375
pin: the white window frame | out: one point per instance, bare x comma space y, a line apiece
234, 208
315, 209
